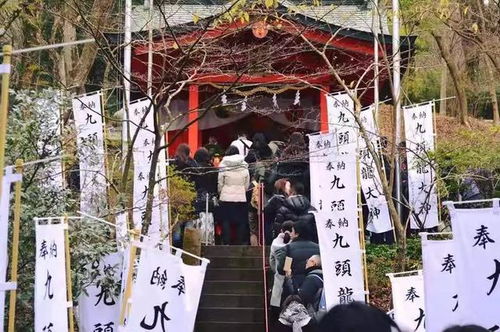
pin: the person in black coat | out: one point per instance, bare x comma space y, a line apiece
271, 208
300, 250
205, 180
310, 290
183, 162
297, 207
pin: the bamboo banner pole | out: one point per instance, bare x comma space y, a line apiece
4, 106
68, 277
130, 272
361, 226
15, 247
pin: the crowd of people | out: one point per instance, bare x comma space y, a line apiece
226, 183
232, 182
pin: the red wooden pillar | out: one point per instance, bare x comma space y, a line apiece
193, 130
323, 109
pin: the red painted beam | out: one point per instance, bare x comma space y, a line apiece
323, 109
311, 34
193, 106
271, 78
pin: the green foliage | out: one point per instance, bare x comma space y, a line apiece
469, 154
32, 136
381, 259
181, 197
422, 85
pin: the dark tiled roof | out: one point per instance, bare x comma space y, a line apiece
348, 14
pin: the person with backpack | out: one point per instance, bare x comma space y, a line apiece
242, 143
300, 249
257, 159
309, 296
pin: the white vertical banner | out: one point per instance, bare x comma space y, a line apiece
159, 293
341, 117
99, 309
334, 193
141, 115
87, 111
408, 300
8, 179
379, 220
422, 192
440, 283
51, 302
476, 234
195, 276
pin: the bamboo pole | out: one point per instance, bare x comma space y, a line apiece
361, 226
130, 272
68, 277
4, 108
15, 247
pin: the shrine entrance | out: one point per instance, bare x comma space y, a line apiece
250, 125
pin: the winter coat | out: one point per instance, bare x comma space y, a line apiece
300, 250
234, 179
272, 207
186, 167
205, 182
298, 208
278, 242
312, 284
205, 179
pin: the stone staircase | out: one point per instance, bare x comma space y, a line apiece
233, 294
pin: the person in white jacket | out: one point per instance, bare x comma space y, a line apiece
233, 182
243, 144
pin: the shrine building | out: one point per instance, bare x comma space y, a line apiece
257, 69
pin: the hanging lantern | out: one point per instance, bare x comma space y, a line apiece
275, 101
223, 99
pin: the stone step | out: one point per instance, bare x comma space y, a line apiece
231, 300
241, 251
224, 314
236, 274
235, 262
234, 287
229, 327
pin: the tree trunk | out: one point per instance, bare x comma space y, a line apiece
442, 91
457, 78
493, 92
